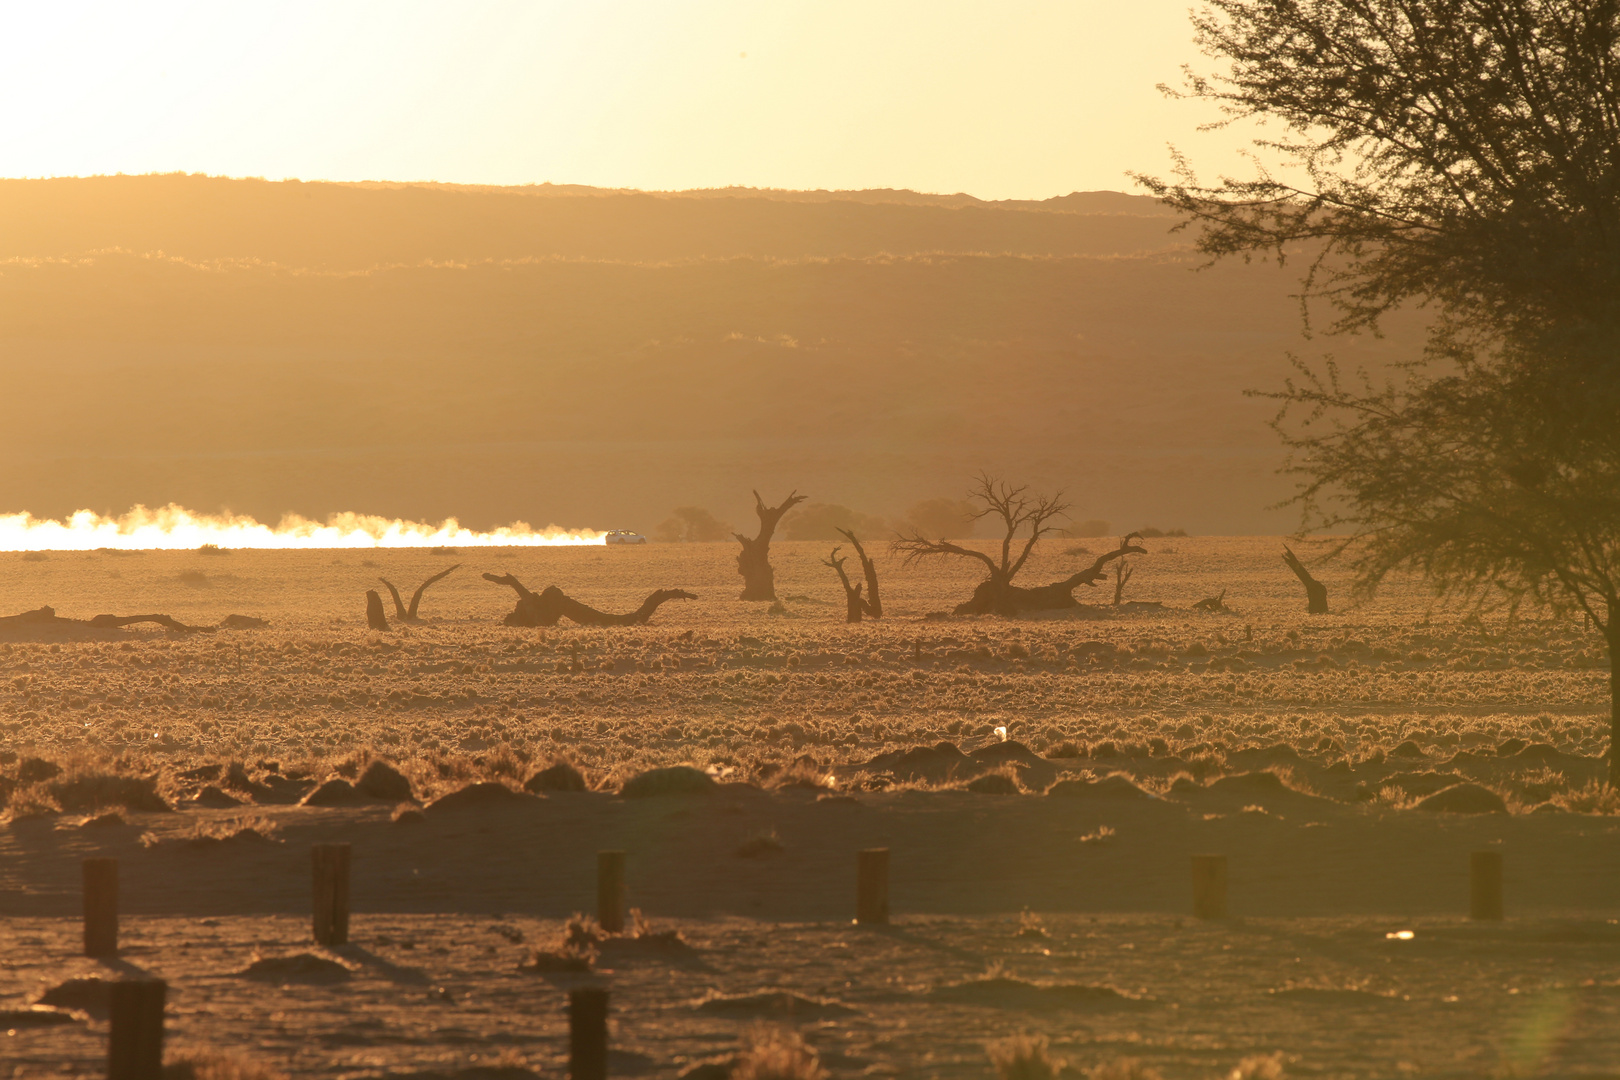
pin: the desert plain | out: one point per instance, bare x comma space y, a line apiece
1041, 783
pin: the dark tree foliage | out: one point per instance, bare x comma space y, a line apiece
1465, 155
1460, 152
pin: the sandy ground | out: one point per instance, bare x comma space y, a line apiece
1277, 745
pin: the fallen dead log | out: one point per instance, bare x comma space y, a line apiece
44, 624
997, 597
552, 605
118, 622
409, 615
1213, 604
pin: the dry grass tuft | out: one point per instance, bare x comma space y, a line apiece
573, 951
1593, 797
212, 1066
1024, 1057
1123, 1069
1259, 1067
32, 801
776, 1053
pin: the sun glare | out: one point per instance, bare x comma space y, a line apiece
174, 528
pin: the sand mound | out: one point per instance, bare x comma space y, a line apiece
1464, 799
942, 761
1329, 996
335, 792
89, 996
215, 799
85, 791
1422, 783
382, 781
675, 780
561, 776
993, 784
37, 1016
297, 968
486, 793
773, 1005
1112, 786
1002, 992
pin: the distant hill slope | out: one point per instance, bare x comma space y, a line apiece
588, 357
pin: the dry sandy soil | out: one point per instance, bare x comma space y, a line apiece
1301, 747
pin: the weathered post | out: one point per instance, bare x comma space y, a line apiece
1485, 885
331, 879
135, 1029
101, 907
587, 1034
1209, 886
872, 887
610, 891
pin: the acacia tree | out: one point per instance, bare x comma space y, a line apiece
1463, 154
1019, 511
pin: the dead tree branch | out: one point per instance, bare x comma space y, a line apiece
409, 615
873, 602
854, 606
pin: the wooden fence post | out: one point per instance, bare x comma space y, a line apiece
331, 879
1485, 885
101, 907
1209, 886
872, 887
587, 1034
135, 1029
610, 891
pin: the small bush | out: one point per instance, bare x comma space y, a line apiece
1593, 797
1123, 1069
776, 1053
211, 1066
1024, 1057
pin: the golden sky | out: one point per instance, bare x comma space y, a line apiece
997, 99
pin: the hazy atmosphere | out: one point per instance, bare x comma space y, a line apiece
809, 541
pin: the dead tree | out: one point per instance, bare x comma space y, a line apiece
409, 615
548, 607
374, 611
1018, 510
754, 560
873, 604
1315, 591
1122, 577
854, 606
1213, 604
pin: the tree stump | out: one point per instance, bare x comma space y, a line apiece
754, 560
1315, 591
374, 611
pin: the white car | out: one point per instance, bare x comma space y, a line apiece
624, 536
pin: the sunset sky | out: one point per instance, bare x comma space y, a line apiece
1006, 100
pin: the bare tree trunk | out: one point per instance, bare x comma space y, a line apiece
854, 608
550, 606
754, 560
873, 602
1315, 591
400, 611
1611, 636
374, 611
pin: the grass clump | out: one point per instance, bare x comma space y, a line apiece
1024, 1057
776, 1053
760, 845
573, 951
1593, 797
